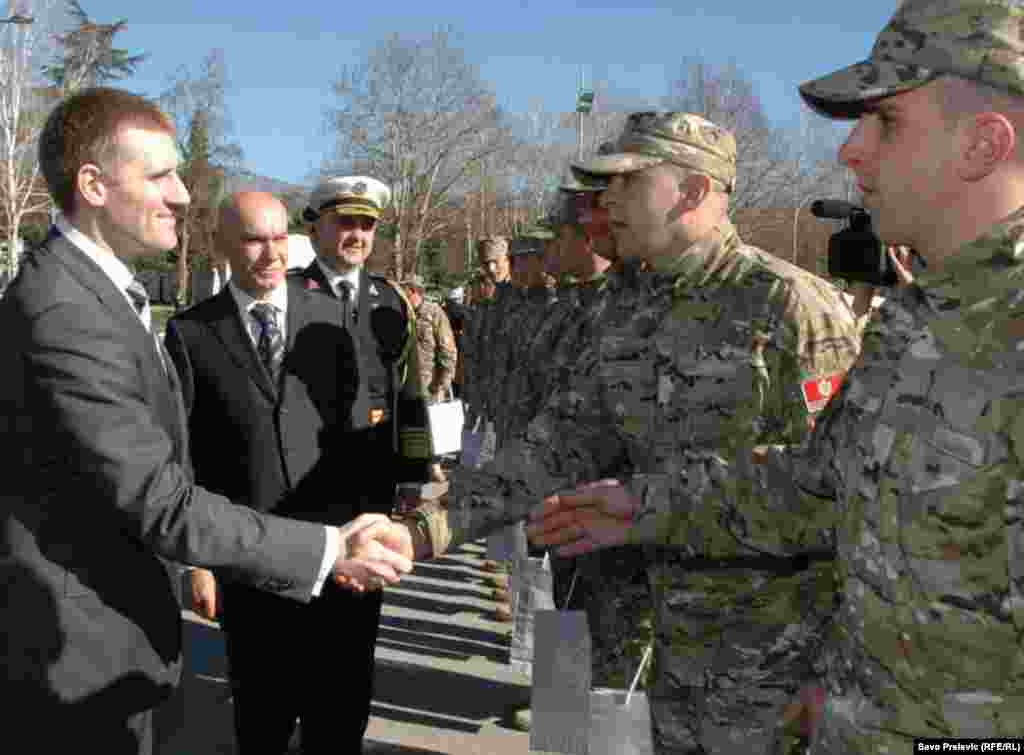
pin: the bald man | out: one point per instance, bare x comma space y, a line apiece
263, 366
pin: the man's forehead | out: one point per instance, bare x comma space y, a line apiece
147, 145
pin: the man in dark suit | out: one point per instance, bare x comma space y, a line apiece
268, 372
97, 490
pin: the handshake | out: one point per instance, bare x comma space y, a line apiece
373, 551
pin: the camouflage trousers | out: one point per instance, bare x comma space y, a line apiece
731, 651
609, 586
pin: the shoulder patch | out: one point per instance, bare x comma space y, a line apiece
819, 391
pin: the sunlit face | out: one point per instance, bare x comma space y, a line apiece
414, 296
141, 194
258, 247
903, 155
642, 207
498, 269
343, 242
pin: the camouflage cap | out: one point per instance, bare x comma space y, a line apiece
491, 248
684, 139
579, 182
979, 40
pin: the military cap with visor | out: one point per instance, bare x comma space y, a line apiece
348, 195
580, 182
652, 138
977, 40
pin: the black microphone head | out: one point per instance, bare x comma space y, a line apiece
835, 209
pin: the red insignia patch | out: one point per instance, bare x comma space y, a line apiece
312, 285
819, 391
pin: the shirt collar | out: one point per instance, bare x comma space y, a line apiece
116, 270
333, 277
278, 299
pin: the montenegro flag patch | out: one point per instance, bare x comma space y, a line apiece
819, 391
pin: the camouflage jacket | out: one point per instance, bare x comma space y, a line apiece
435, 347
603, 418
923, 451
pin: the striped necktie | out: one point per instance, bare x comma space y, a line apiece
140, 299
270, 344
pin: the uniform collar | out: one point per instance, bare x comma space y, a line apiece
702, 258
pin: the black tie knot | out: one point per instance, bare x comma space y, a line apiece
345, 290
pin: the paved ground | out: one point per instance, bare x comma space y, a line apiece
443, 681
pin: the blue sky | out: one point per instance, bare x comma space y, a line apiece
281, 57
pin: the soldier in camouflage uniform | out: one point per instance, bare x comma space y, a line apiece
438, 356
717, 360
492, 257
436, 342
921, 451
610, 585
697, 359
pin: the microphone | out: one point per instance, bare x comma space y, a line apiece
835, 209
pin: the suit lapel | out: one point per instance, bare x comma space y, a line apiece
298, 312
169, 406
314, 278
228, 326
92, 277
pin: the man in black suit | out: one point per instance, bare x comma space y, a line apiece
97, 490
268, 372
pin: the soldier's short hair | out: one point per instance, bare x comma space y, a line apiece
83, 129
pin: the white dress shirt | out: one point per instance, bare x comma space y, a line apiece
334, 278
278, 300
116, 270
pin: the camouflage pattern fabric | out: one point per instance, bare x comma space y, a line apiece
922, 450
689, 364
435, 344
716, 366
978, 40
652, 138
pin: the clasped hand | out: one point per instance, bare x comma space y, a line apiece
595, 515
375, 551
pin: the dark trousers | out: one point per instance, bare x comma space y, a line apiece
57, 727
312, 661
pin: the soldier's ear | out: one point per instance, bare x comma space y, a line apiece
695, 188
988, 140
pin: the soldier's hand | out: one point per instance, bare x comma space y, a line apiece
375, 552
596, 515
801, 716
203, 589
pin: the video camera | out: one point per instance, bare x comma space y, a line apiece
855, 253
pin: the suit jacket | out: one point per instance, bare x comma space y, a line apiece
279, 445
96, 491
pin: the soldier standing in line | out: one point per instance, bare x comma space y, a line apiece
669, 388
437, 353
495, 268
